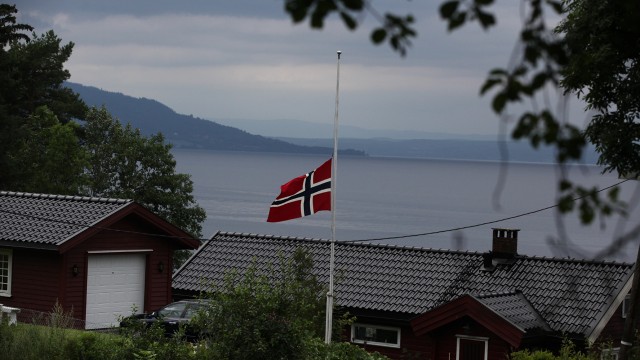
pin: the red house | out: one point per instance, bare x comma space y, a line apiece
441, 304
96, 257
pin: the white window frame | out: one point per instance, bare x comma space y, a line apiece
366, 342
472, 338
9, 254
625, 305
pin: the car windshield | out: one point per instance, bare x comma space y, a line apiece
172, 310
193, 309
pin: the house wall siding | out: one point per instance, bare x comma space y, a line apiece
612, 332
439, 345
157, 284
446, 340
411, 347
40, 277
35, 280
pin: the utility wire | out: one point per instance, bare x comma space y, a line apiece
480, 224
342, 241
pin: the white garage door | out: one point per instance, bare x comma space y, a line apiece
115, 284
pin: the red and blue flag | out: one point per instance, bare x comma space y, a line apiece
303, 196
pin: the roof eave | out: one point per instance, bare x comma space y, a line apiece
185, 239
27, 245
599, 326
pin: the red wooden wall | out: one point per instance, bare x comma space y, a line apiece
35, 280
42, 277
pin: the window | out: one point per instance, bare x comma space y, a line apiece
375, 335
472, 348
173, 310
5, 272
626, 303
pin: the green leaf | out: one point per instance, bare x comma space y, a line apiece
565, 185
488, 84
297, 9
448, 8
487, 20
457, 21
566, 204
499, 102
378, 35
355, 5
348, 20
556, 5
587, 213
538, 81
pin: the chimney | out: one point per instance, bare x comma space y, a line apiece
505, 244
487, 262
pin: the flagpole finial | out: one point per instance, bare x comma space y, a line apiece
339, 52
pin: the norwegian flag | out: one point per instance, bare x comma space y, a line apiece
304, 195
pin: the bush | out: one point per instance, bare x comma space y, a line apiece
255, 316
318, 350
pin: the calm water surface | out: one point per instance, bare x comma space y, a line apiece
386, 197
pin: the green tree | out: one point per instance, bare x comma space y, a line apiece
125, 164
31, 76
604, 68
49, 157
271, 314
9, 30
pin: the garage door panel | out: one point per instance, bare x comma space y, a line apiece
115, 284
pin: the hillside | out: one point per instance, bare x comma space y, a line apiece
185, 131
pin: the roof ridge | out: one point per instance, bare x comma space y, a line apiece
64, 197
422, 249
498, 294
575, 260
346, 242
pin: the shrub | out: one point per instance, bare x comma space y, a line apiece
318, 350
274, 316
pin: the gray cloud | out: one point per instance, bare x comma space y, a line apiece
245, 59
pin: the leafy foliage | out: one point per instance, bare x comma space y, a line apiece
596, 58
48, 157
125, 164
31, 76
9, 30
604, 69
44, 149
395, 29
276, 315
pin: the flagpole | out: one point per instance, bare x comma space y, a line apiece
334, 172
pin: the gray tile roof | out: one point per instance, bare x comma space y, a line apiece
40, 220
569, 295
515, 308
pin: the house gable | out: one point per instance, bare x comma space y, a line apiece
154, 226
60, 222
468, 306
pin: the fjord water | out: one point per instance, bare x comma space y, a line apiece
388, 197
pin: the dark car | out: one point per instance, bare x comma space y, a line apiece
172, 316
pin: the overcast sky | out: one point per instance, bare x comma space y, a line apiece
245, 59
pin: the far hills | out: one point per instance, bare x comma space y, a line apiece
187, 131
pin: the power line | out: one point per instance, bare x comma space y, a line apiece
342, 241
480, 224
